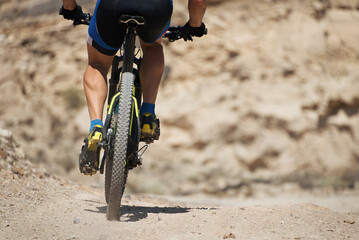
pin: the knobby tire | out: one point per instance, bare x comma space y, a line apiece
119, 168
108, 164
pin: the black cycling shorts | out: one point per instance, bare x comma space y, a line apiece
107, 34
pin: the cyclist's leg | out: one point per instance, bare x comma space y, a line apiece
100, 56
95, 81
152, 66
151, 70
95, 86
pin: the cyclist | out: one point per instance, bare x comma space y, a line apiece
105, 37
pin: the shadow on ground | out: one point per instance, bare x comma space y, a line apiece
136, 213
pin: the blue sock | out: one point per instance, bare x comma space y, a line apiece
95, 122
147, 108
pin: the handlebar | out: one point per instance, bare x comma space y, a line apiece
172, 34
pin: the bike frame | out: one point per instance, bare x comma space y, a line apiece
125, 73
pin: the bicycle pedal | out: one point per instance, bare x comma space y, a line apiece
88, 170
147, 139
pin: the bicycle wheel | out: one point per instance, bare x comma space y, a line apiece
113, 82
108, 163
119, 164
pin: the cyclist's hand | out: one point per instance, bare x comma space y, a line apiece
187, 32
74, 15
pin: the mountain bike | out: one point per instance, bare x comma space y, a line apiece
121, 131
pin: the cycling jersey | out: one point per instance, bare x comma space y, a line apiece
107, 34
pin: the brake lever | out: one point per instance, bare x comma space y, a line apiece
85, 20
173, 34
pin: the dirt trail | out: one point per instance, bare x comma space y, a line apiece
37, 205
50, 208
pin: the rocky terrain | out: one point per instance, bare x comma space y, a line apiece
263, 110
